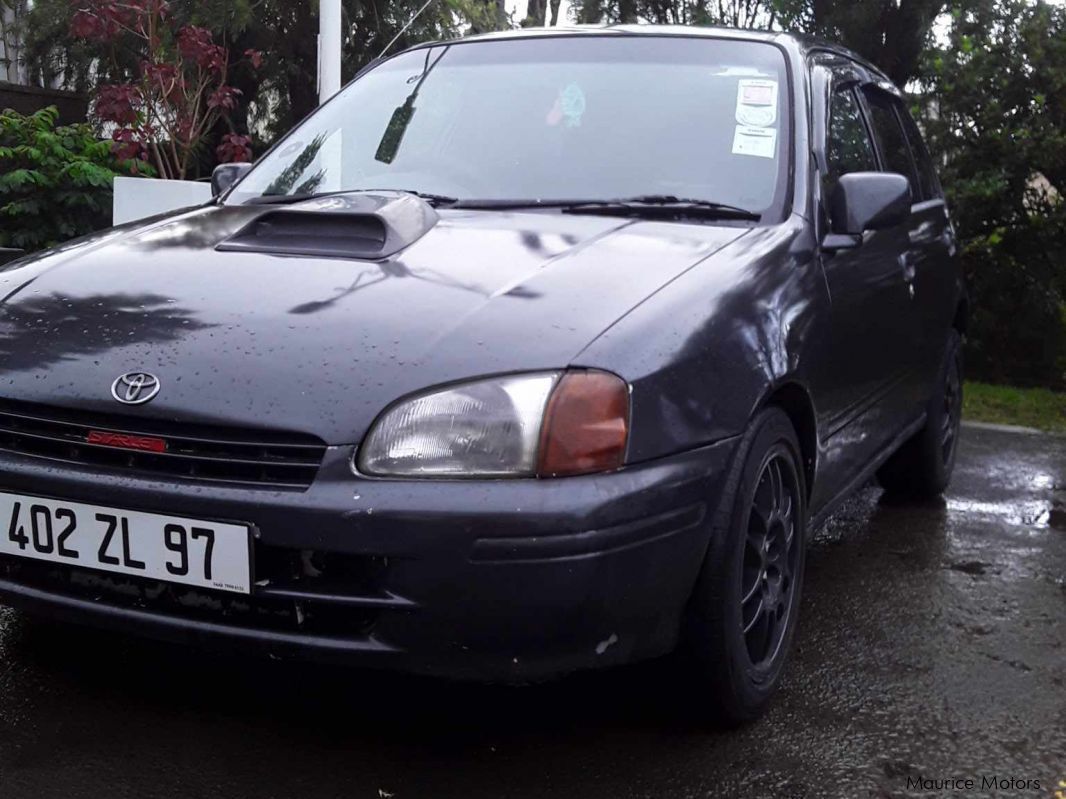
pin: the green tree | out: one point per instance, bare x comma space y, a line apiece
734, 13
892, 34
55, 183
284, 90
993, 99
889, 33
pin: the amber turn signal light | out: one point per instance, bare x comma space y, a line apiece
586, 425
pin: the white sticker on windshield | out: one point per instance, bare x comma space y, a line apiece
743, 72
756, 102
760, 142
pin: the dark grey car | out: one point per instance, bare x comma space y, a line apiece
525, 354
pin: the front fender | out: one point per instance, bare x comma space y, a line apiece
703, 352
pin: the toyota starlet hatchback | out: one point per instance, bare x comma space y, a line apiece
525, 354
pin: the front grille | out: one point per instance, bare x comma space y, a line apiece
299, 591
278, 460
259, 611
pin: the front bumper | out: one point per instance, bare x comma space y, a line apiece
508, 580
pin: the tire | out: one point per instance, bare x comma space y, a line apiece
922, 467
754, 565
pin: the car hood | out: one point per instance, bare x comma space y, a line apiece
321, 345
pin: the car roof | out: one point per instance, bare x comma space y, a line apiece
802, 42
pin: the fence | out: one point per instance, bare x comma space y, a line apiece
28, 99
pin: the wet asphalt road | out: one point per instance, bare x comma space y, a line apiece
933, 642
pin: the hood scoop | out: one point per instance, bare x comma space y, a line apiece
364, 225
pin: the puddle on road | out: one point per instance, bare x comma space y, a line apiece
1043, 480
1030, 513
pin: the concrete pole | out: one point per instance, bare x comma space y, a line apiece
329, 49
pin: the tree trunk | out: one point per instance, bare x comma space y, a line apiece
302, 88
890, 35
536, 14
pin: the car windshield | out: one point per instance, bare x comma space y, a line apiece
585, 118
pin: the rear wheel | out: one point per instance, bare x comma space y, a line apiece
922, 467
743, 613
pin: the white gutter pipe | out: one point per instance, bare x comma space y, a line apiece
329, 49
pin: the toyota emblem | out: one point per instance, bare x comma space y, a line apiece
135, 388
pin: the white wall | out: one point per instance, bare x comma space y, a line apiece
140, 198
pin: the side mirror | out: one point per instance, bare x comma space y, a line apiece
865, 201
225, 175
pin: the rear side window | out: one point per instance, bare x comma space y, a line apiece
848, 148
927, 178
895, 150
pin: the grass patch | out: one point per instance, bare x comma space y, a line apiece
1028, 407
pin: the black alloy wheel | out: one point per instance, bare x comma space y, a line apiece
770, 555
949, 426
921, 468
744, 609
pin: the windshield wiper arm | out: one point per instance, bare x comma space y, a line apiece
658, 205
288, 199
433, 199
665, 205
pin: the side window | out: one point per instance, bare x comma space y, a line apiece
848, 147
927, 178
893, 143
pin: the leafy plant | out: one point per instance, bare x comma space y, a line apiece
993, 99
283, 90
180, 90
55, 183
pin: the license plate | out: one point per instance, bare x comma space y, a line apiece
169, 548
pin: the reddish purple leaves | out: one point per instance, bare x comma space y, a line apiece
180, 92
234, 147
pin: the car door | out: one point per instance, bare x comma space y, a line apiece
928, 240
935, 254
862, 397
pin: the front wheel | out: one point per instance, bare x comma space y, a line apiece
743, 613
922, 467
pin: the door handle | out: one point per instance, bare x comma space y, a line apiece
910, 271
924, 232
948, 239
907, 264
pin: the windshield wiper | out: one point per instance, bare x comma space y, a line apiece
279, 199
656, 206
288, 199
650, 205
668, 205
432, 199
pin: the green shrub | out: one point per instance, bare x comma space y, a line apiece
993, 101
1017, 283
55, 183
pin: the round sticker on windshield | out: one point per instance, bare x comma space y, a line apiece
568, 108
759, 117
572, 104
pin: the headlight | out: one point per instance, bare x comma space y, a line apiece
546, 424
